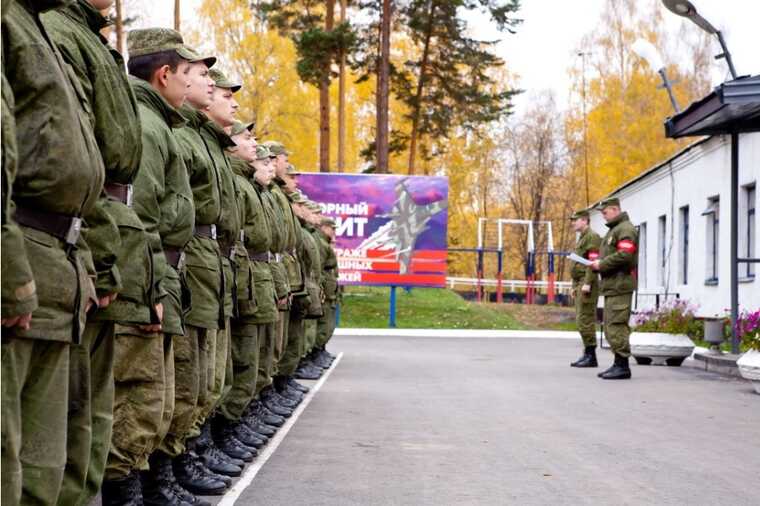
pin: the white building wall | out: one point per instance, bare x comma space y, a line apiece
690, 180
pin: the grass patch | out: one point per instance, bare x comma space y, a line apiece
422, 308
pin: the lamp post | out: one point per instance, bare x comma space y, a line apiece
648, 52
686, 9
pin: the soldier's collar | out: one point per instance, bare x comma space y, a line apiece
224, 139
148, 95
623, 216
83, 12
195, 118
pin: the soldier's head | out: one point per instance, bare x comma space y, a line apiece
281, 160
263, 166
201, 90
159, 56
245, 142
101, 4
610, 208
327, 225
580, 220
223, 107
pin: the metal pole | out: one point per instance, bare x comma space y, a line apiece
499, 277
726, 54
337, 315
392, 309
734, 241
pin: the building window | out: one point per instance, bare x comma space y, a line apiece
662, 226
749, 251
712, 239
684, 246
642, 255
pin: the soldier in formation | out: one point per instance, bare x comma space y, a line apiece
164, 281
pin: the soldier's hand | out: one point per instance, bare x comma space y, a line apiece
586, 289
23, 321
155, 327
106, 300
595, 265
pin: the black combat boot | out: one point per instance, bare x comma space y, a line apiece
271, 402
619, 369
283, 388
125, 491
214, 459
588, 359
271, 394
319, 359
268, 417
297, 386
249, 437
191, 477
157, 487
308, 371
223, 432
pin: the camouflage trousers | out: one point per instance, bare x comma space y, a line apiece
35, 391
245, 368
294, 349
91, 394
266, 341
186, 386
310, 335
326, 325
617, 313
144, 398
585, 313
281, 339
216, 376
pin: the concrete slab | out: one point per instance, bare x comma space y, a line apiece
479, 421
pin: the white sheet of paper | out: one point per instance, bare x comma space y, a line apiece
579, 259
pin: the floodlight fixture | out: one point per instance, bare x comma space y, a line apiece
686, 9
649, 53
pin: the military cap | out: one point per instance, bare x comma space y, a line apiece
262, 152
222, 81
580, 214
290, 170
329, 222
277, 148
313, 206
239, 127
297, 197
613, 201
146, 41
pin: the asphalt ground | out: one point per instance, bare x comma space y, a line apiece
462, 421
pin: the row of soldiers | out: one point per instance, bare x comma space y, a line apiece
164, 280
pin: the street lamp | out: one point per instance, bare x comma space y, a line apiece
648, 52
687, 10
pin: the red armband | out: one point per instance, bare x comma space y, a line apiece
626, 246
593, 255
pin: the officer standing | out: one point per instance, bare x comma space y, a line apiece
326, 324
617, 267
46, 289
585, 287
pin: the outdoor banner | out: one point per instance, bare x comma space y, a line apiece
391, 229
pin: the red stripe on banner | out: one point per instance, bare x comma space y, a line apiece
406, 279
416, 255
626, 246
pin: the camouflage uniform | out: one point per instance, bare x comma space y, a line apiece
585, 303
57, 177
617, 267
326, 324
122, 261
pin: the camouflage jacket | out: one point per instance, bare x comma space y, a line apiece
118, 242
587, 247
59, 170
619, 257
162, 198
276, 221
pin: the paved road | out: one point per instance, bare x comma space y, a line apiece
504, 421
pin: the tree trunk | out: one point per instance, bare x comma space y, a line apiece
382, 89
119, 26
177, 16
324, 99
342, 100
420, 87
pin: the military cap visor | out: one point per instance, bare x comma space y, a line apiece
239, 127
222, 81
147, 41
580, 214
262, 153
611, 202
329, 222
276, 148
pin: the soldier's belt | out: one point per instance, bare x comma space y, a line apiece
208, 231
120, 192
64, 227
175, 257
261, 257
